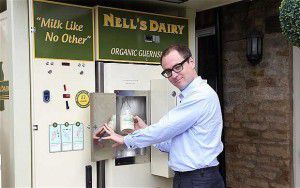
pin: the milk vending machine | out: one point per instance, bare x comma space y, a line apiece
138, 90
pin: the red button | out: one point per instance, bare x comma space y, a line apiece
66, 95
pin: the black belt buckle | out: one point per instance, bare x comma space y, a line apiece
201, 173
203, 170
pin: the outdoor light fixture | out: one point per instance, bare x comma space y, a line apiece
254, 47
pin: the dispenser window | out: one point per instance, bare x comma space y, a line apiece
127, 108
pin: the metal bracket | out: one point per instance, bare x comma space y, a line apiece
173, 94
32, 29
35, 127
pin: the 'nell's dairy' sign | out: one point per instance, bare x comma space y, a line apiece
131, 36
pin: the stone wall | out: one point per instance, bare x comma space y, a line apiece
257, 99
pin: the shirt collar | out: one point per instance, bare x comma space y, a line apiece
190, 87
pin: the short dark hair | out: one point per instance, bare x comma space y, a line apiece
183, 50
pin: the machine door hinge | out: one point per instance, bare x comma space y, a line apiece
32, 29
173, 94
35, 127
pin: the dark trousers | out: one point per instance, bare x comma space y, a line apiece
202, 178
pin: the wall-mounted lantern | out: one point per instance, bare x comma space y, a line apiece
254, 47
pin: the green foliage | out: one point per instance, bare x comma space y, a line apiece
289, 17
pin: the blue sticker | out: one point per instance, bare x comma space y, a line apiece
46, 96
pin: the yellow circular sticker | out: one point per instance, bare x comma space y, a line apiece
82, 99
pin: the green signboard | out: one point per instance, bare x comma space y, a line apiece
4, 88
130, 36
63, 31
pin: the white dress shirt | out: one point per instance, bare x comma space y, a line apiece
190, 132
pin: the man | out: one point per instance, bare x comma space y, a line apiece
190, 132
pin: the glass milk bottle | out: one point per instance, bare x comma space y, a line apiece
112, 122
126, 119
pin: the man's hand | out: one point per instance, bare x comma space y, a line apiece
138, 123
119, 139
98, 134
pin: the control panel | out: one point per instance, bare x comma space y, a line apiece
61, 121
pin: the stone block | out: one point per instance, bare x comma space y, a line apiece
268, 82
253, 134
257, 73
229, 117
259, 159
235, 125
257, 182
256, 126
277, 118
245, 139
260, 172
275, 151
276, 135
269, 93
231, 148
285, 176
247, 148
271, 7
275, 41
257, 117
279, 185
272, 24
275, 106
230, 132
242, 163
251, 83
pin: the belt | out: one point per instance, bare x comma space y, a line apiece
201, 170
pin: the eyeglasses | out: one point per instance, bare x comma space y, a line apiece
167, 73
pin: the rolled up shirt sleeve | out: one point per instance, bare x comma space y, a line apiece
164, 146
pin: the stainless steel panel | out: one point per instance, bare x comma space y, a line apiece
103, 107
139, 105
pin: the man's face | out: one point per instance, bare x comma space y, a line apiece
184, 77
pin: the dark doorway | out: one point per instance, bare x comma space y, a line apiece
3, 5
207, 60
208, 45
